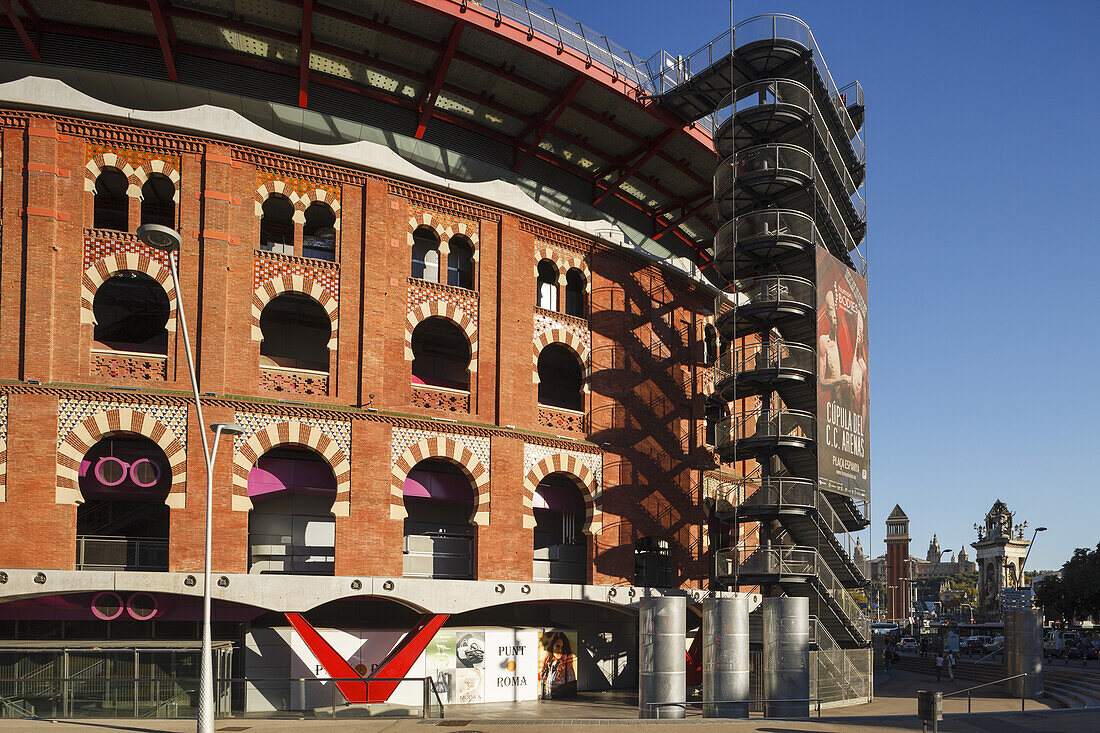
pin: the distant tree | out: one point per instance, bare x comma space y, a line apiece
1076, 595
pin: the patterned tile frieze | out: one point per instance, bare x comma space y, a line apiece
548, 320
269, 266
252, 422
421, 291
532, 454
404, 437
71, 413
104, 243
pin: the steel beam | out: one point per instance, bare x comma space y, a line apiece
166, 36
304, 52
17, 23
439, 73
652, 148
549, 116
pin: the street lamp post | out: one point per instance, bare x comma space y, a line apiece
168, 240
1020, 577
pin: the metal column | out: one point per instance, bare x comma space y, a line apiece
726, 657
662, 657
1024, 652
787, 657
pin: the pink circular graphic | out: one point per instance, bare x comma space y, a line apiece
100, 469
136, 470
118, 602
143, 602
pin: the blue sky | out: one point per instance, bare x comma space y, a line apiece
983, 247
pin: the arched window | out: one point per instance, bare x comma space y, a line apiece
131, 310
439, 537
561, 378
123, 523
460, 263
157, 204
277, 225
319, 232
548, 285
425, 255
291, 528
575, 285
296, 331
110, 204
441, 355
561, 553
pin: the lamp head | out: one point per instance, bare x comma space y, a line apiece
1040, 529
228, 428
159, 237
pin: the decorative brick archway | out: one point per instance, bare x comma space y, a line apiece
444, 233
109, 422
290, 283
581, 474
567, 338
445, 448
446, 310
103, 269
136, 176
300, 201
291, 432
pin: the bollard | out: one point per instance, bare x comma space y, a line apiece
930, 708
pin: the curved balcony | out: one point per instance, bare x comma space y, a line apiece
762, 433
787, 368
770, 301
763, 173
767, 44
782, 237
767, 106
776, 110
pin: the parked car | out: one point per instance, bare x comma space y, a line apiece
975, 644
908, 644
1079, 650
1093, 651
995, 645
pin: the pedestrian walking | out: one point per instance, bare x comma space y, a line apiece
939, 666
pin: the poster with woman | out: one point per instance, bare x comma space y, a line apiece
843, 405
557, 664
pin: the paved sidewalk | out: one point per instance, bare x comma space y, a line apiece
894, 709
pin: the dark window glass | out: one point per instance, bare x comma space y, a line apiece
296, 332
131, 311
561, 378
441, 355
111, 205
319, 233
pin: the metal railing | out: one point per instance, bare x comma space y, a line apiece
767, 224
767, 289
800, 561
756, 701
970, 690
176, 697
766, 424
95, 552
775, 355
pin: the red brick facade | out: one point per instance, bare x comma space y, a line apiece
644, 404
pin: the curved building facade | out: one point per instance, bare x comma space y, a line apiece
449, 269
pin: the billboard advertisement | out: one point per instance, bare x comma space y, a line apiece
843, 451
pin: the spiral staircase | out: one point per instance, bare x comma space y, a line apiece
789, 181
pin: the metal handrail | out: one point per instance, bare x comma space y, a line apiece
734, 103
968, 690
766, 289
685, 704
764, 357
768, 423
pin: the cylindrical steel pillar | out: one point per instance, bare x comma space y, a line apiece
787, 657
662, 657
726, 657
1024, 652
